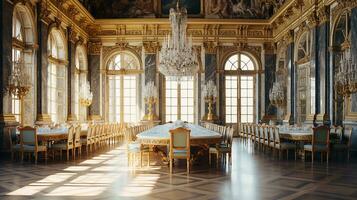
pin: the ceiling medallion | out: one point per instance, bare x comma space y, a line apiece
177, 57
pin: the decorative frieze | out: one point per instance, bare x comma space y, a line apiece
151, 47
94, 48
210, 47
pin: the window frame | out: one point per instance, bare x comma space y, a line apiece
239, 73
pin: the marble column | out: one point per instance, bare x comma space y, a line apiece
7, 120
320, 56
150, 73
291, 108
42, 63
354, 52
95, 79
270, 57
212, 75
71, 70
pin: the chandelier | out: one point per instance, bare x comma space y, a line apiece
19, 84
85, 95
346, 76
277, 94
177, 58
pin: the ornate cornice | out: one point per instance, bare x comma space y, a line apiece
269, 48
210, 47
151, 47
94, 48
323, 14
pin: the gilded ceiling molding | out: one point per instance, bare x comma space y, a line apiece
313, 20
210, 47
94, 47
323, 14
151, 47
288, 37
341, 7
303, 28
269, 48
73, 35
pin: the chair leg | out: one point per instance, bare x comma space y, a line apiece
141, 159
36, 154
209, 159
46, 157
287, 154
188, 166
295, 153
312, 157
327, 156
68, 154
171, 165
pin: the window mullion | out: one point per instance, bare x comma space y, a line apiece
121, 118
179, 101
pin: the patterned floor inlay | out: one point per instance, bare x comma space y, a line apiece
252, 175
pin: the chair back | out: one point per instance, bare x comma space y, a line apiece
271, 133
266, 133
347, 134
71, 132
180, 139
28, 136
230, 132
321, 135
77, 137
276, 136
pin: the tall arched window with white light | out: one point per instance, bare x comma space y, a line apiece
57, 76
18, 47
179, 99
239, 89
123, 70
80, 79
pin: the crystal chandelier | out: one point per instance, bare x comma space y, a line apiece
19, 84
346, 76
277, 94
85, 95
177, 58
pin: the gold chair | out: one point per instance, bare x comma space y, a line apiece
77, 142
29, 143
135, 148
281, 146
68, 145
346, 142
180, 146
88, 141
223, 148
320, 142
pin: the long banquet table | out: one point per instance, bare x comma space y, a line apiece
159, 135
296, 134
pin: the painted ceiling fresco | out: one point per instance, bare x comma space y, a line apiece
229, 9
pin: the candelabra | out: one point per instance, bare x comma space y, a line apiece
177, 58
85, 95
346, 76
150, 97
277, 95
19, 84
210, 96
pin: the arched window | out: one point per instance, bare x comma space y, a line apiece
22, 52
57, 76
305, 79
179, 99
123, 69
17, 55
239, 88
80, 79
